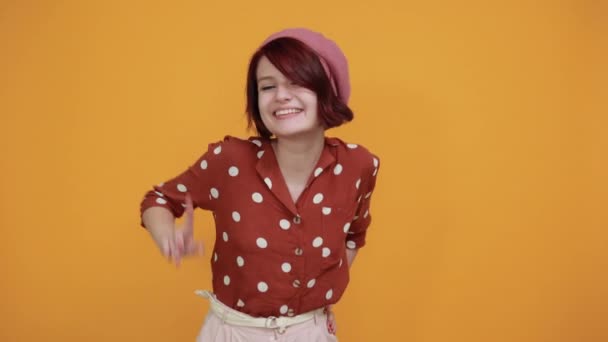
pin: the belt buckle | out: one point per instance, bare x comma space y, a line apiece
271, 322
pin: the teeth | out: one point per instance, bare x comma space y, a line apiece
287, 111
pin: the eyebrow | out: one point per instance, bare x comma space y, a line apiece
265, 78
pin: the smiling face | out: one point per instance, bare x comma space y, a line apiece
286, 109
290, 93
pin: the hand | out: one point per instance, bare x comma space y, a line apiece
332, 328
179, 242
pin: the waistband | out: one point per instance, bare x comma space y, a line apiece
234, 317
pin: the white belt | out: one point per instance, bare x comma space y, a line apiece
234, 317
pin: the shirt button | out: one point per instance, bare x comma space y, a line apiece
297, 219
296, 283
299, 251
290, 313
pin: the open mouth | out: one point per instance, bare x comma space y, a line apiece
287, 113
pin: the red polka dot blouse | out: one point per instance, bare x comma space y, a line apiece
274, 257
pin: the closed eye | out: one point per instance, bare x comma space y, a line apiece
266, 88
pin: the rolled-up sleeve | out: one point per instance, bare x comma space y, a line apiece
200, 180
363, 217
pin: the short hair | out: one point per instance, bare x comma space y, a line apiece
300, 64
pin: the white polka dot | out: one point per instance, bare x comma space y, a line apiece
368, 195
226, 280
218, 150
366, 214
268, 182
311, 283
215, 193
159, 194
329, 294
240, 304
317, 242
375, 172
257, 197
351, 244
261, 242
326, 252
359, 199
284, 309
326, 210
318, 171
355, 218
351, 146
161, 201
240, 261
257, 142
233, 171
358, 183
340, 265
225, 236
286, 267
338, 169
346, 227
204, 164
262, 286
182, 188
375, 162
284, 224
215, 257
236, 216
260, 154
318, 198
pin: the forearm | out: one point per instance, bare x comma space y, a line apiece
350, 256
158, 220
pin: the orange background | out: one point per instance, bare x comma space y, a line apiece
490, 118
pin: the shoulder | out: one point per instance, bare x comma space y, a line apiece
355, 154
235, 146
228, 153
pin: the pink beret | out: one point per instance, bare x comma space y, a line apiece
329, 52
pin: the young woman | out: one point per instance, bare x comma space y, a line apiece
291, 205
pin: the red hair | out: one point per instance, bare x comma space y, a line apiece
303, 66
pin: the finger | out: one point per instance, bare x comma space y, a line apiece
179, 242
165, 249
175, 255
195, 248
189, 215
331, 322
331, 327
171, 245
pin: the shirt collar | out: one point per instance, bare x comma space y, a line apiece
267, 167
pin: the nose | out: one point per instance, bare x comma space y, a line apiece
283, 93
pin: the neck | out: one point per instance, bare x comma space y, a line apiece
299, 153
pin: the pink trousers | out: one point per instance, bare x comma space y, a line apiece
216, 330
